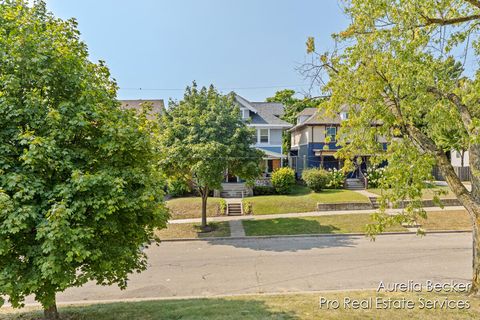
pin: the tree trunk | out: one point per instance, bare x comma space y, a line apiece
475, 289
51, 312
204, 208
471, 202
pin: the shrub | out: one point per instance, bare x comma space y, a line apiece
315, 178
177, 187
335, 179
247, 207
222, 207
283, 179
263, 190
375, 176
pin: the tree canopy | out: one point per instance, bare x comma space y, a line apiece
79, 188
401, 65
203, 137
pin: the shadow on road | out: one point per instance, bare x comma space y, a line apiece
288, 244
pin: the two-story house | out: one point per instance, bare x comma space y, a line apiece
314, 141
265, 118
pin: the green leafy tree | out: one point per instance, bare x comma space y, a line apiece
293, 106
203, 137
401, 72
79, 194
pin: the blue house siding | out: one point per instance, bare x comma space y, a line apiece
306, 156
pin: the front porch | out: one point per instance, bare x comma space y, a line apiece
234, 187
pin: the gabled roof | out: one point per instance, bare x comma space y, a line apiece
157, 105
245, 103
320, 116
307, 112
264, 112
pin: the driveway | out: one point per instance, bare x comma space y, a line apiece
224, 267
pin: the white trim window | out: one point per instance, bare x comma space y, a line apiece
264, 135
331, 132
245, 113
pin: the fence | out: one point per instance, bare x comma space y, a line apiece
462, 172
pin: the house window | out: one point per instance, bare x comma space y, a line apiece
244, 113
343, 115
331, 133
264, 136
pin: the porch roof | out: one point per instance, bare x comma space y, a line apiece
273, 155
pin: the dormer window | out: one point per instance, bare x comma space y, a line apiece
343, 115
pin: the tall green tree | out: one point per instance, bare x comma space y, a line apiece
203, 137
79, 190
293, 106
401, 66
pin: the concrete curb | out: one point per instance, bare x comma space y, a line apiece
217, 296
315, 235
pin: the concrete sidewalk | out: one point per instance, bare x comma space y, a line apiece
304, 214
367, 194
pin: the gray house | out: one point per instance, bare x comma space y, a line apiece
265, 119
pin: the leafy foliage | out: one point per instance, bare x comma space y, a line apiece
202, 137
80, 193
336, 178
283, 180
315, 178
247, 207
400, 73
375, 177
263, 190
222, 207
178, 187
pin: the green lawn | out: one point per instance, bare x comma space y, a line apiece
428, 193
349, 223
254, 307
302, 199
192, 230
190, 207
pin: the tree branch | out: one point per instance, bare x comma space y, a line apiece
462, 108
475, 3
457, 20
425, 144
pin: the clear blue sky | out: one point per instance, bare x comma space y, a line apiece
166, 44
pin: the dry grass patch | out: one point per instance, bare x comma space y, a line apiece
446, 220
191, 207
192, 230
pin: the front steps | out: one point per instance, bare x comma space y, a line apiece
354, 184
374, 202
234, 209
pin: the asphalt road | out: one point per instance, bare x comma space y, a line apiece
209, 268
